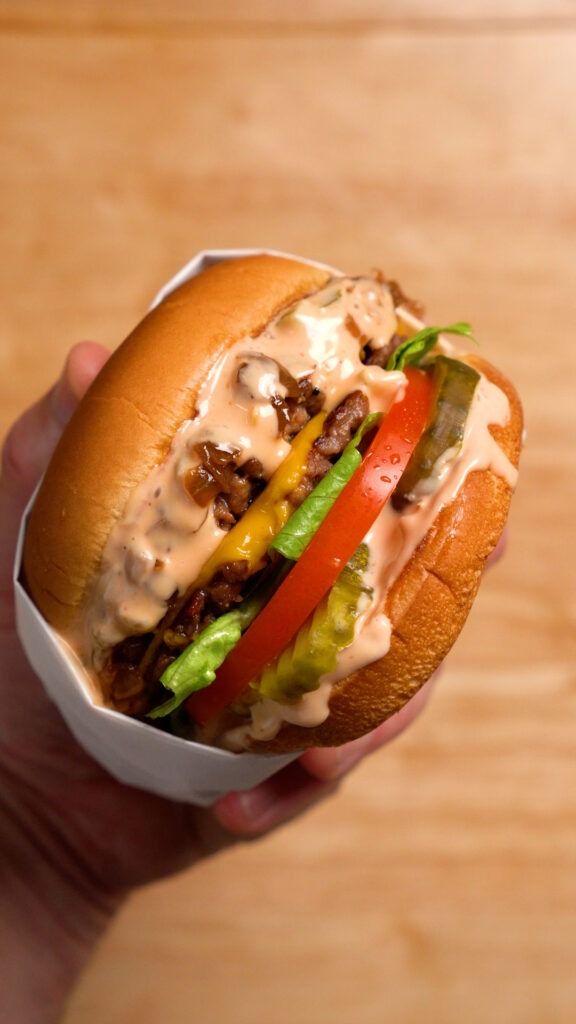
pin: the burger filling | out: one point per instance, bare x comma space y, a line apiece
226, 586
137, 664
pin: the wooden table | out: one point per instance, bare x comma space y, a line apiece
439, 142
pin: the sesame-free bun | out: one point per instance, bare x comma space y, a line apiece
126, 422
427, 604
124, 426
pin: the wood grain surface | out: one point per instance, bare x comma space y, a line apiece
440, 884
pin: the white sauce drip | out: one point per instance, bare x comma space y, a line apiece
259, 376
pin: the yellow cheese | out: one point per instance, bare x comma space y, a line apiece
250, 538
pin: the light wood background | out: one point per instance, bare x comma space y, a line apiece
439, 142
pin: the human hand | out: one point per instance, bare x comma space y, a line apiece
74, 839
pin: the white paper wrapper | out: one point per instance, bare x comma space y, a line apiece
131, 751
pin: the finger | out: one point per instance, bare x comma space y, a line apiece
314, 776
329, 763
32, 439
272, 803
84, 362
498, 552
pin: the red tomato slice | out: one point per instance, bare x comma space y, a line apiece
331, 547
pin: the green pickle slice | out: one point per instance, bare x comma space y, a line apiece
454, 387
312, 655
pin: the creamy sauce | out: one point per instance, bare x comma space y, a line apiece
268, 717
259, 376
164, 537
392, 541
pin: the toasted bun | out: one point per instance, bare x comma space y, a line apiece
125, 425
428, 603
126, 422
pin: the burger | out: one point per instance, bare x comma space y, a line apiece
266, 523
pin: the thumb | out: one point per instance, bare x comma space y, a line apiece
32, 439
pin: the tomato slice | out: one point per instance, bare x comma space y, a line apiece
331, 547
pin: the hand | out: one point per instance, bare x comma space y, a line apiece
74, 839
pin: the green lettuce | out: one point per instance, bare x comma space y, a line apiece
196, 667
414, 349
313, 653
295, 536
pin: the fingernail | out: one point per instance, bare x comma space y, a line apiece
254, 804
244, 813
62, 400
347, 757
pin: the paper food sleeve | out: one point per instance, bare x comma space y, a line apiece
133, 752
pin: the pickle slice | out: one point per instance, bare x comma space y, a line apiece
454, 387
313, 653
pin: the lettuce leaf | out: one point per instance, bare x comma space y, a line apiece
411, 351
196, 667
303, 524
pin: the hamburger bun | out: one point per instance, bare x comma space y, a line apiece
124, 428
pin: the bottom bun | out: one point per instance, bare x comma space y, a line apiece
427, 605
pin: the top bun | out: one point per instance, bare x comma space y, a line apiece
125, 424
